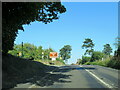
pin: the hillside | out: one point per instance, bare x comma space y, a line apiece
17, 70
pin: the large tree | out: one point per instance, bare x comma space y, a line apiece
107, 49
16, 14
88, 44
65, 52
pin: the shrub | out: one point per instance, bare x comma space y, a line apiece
114, 63
85, 59
87, 63
97, 56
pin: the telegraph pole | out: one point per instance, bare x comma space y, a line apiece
22, 49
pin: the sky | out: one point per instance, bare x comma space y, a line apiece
95, 20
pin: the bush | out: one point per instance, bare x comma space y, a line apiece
98, 62
96, 56
114, 63
58, 59
85, 59
87, 63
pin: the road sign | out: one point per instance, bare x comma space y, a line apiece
53, 55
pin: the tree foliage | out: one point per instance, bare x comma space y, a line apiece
85, 59
88, 44
65, 52
97, 55
30, 51
117, 44
107, 49
39, 52
47, 52
16, 14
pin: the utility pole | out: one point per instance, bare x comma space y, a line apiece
42, 55
22, 49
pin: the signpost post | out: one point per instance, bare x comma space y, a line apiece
22, 50
53, 55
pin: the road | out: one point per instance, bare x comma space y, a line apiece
77, 76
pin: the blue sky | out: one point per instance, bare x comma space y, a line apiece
95, 20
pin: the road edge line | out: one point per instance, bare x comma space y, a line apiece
106, 84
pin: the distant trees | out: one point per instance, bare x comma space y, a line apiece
107, 49
30, 51
65, 52
101, 58
88, 44
94, 55
16, 14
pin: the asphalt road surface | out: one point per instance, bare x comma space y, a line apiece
77, 76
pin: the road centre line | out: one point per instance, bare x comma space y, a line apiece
106, 84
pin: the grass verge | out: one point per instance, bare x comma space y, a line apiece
113, 63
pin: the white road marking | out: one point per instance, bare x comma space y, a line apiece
106, 84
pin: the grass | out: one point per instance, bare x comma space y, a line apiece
113, 63
50, 62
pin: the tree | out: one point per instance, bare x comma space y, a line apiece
39, 52
107, 49
47, 52
79, 61
96, 55
29, 50
117, 44
88, 44
85, 59
65, 52
16, 14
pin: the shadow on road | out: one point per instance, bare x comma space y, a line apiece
21, 71
49, 80
69, 68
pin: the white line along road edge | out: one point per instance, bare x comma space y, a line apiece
109, 86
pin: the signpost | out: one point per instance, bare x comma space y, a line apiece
22, 50
53, 55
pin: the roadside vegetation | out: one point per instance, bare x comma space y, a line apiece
22, 62
34, 53
17, 70
102, 58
